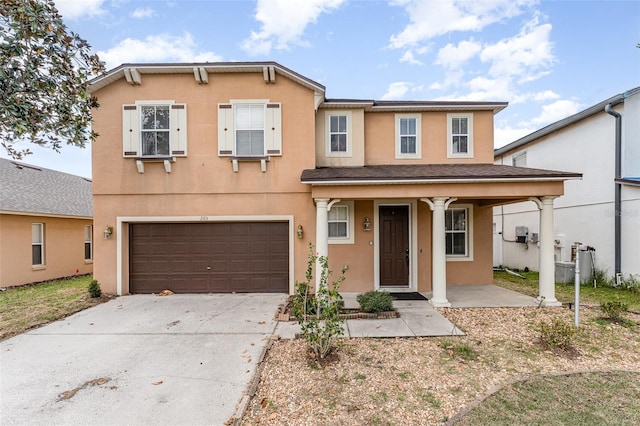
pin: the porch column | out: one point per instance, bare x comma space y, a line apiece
322, 233
438, 251
547, 279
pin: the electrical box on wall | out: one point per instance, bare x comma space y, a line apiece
534, 237
522, 234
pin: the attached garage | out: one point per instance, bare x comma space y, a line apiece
211, 257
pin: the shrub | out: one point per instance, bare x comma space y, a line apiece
557, 335
375, 301
614, 310
632, 283
321, 327
94, 289
462, 350
303, 301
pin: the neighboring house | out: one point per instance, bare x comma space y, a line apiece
46, 225
584, 143
216, 177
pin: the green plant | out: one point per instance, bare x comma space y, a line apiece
322, 327
601, 278
375, 301
614, 309
94, 289
303, 301
557, 334
632, 283
462, 350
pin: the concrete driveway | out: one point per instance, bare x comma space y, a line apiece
144, 359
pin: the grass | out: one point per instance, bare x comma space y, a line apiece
24, 308
565, 292
610, 398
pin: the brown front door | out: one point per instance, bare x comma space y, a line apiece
394, 246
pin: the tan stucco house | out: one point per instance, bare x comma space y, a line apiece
216, 177
46, 224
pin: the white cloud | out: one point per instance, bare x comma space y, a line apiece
505, 134
429, 19
156, 48
523, 54
556, 111
396, 90
283, 23
73, 9
142, 13
453, 57
545, 96
409, 58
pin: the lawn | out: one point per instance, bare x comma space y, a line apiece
565, 292
24, 308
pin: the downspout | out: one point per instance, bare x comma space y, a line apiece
618, 187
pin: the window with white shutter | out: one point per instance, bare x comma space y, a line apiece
249, 128
154, 129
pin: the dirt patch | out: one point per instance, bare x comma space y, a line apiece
65, 396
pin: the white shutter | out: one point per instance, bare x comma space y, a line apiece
130, 131
178, 135
273, 129
226, 131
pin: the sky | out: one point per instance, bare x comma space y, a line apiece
548, 59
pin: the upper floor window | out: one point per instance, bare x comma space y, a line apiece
249, 128
340, 221
338, 134
37, 244
460, 135
88, 242
408, 132
154, 129
519, 160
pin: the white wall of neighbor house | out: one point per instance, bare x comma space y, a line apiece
586, 212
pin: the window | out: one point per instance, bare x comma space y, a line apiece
154, 129
460, 135
459, 232
88, 242
249, 130
338, 134
37, 244
408, 136
340, 221
520, 160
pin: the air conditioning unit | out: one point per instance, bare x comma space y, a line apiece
522, 234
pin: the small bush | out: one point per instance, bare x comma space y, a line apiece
557, 335
631, 283
462, 350
94, 289
375, 301
303, 302
614, 310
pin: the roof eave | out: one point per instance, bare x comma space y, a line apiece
317, 182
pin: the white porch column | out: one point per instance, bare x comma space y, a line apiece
438, 251
322, 233
547, 279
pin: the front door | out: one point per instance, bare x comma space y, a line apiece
394, 246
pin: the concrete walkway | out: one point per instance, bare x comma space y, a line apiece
418, 318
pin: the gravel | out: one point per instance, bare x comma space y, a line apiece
428, 380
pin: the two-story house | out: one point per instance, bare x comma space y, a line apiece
602, 210
216, 177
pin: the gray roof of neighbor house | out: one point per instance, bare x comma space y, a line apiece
595, 109
27, 189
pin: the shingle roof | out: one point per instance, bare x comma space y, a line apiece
431, 173
36, 190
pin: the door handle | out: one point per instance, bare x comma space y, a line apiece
406, 252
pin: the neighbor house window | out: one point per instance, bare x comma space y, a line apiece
340, 219
457, 228
520, 160
249, 129
407, 136
37, 244
154, 130
88, 242
460, 135
338, 134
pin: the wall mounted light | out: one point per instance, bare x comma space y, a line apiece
366, 225
108, 232
300, 231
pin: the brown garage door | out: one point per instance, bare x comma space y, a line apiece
209, 257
